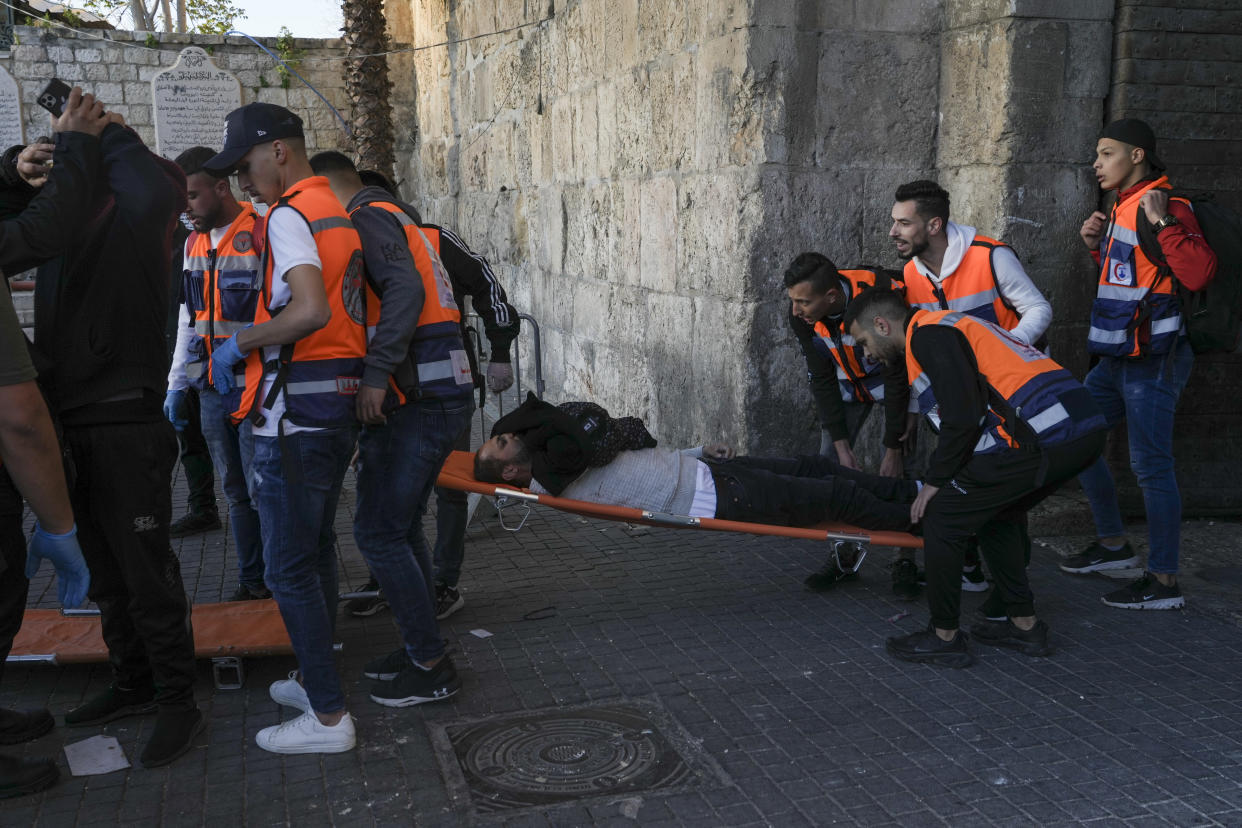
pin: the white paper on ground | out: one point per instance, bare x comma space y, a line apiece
96, 755
480, 633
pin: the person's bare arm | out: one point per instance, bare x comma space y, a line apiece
31, 455
308, 311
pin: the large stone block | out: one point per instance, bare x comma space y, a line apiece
658, 224
905, 17
963, 13
713, 242
621, 26
587, 161
633, 118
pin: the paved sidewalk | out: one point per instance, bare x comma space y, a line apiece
782, 701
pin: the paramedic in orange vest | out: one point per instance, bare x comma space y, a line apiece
951, 267
1144, 357
303, 363
1014, 426
845, 384
416, 398
220, 290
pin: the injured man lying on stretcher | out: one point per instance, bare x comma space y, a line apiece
710, 482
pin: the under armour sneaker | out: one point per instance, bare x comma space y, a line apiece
306, 734
926, 647
1097, 558
448, 601
973, 579
1032, 642
363, 607
905, 579
414, 685
1147, 593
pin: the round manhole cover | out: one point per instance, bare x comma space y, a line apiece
562, 756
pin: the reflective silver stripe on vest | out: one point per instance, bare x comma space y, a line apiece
340, 385
330, 223
1121, 293
1124, 234
1104, 337
250, 263
1168, 325
928, 306
402, 217
223, 327
439, 370
974, 300
444, 288
196, 263
1047, 418
920, 384
194, 370
985, 442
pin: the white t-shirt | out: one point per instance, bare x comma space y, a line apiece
185, 326
291, 243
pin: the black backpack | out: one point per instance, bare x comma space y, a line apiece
1213, 316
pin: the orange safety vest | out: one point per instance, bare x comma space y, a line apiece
437, 366
221, 286
320, 373
860, 379
1136, 311
1032, 401
972, 288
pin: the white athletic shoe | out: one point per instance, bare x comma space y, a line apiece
290, 693
306, 734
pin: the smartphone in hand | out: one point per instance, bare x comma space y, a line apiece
54, 97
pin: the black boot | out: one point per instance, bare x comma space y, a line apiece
113, 703
19, 777
173, 737
16, 727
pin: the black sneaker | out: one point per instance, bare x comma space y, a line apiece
193, 524
993, 608
973, 579
414, 685
1032, 642
448, 601
19, 777
113, 703
386, 668
16, 727
1096, 558
1147, 593
363, 607
249, 593
925, 647
173, 736
905, 579
825, 578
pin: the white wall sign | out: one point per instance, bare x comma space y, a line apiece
190, 101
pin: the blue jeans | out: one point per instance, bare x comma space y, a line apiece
232, 452
297, 481
452, 515
1144, 393
397, 467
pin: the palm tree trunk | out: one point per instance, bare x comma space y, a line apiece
367, 84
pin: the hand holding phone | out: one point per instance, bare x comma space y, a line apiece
54, 97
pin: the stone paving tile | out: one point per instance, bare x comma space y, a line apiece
1135, 720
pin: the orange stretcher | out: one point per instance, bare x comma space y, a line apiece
458, 473
222, 632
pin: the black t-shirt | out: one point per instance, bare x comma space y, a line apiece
15, 365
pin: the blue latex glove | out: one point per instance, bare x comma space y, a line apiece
72, 576
223, 358
174, 409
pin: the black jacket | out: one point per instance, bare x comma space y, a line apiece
101, 306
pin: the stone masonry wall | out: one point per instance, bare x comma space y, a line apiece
1178, 65
119, 72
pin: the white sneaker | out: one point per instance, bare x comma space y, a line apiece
290, 693
306, 734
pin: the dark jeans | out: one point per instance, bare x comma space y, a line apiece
451, 517
196, 460
990, 497
398, 463
298, 481
803, 491
122, 502
13, 584
232, 452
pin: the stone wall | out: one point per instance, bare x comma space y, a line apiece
119, 72
1178, 66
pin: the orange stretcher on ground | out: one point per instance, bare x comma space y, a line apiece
458, 473
222, 632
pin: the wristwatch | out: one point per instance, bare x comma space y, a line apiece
1167, 221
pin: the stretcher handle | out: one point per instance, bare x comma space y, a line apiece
507, 500
669, 519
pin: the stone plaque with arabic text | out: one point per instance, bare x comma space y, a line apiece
190, 101
11, 127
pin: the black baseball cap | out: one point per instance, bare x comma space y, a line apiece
1136, 133
251, 125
